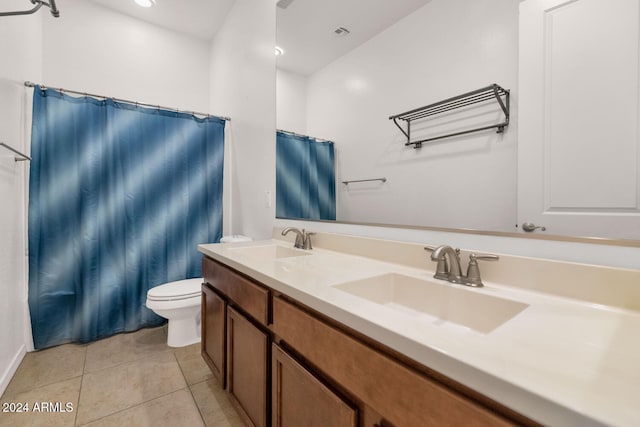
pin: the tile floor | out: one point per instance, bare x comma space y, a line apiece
130, 379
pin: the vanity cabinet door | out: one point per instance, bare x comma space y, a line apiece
247, 364
214, 323
300, 399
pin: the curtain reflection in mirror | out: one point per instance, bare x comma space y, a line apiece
305, 177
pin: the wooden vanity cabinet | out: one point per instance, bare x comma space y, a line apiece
235, 339
401, 395
318, 372
301, 399
247, 372
213, 332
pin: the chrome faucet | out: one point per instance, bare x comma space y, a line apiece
451, 271
303, 238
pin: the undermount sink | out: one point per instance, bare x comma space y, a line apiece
436, 302
269, 251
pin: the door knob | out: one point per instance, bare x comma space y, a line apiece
529, 227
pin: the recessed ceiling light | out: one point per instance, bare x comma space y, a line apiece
145, 3
279, 51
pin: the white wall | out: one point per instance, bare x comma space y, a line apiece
291, 102
20, 50
242, 85
428, 56
94, 49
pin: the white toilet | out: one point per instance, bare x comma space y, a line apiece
179, 302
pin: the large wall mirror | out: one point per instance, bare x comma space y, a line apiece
346, 67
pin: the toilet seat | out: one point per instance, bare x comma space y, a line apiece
175, 291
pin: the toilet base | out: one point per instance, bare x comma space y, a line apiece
183, 332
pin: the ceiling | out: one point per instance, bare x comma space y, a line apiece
305, 28
196, 18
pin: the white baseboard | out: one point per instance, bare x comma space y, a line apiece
12, 368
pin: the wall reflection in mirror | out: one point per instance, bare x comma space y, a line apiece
405, 54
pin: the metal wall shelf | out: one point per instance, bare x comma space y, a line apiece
485, 94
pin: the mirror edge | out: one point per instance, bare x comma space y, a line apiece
551, 237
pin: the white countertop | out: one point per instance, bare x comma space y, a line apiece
559, 361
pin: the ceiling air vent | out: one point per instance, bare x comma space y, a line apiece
341, 32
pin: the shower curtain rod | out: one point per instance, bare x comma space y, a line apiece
304, 136
22, 157
142, 104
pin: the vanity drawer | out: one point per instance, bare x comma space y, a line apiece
401, 395
252, 298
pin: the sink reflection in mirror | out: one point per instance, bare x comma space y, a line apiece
434, 301
269, 251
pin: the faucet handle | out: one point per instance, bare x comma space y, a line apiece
307, 239
473, 271
442, 269
483, 257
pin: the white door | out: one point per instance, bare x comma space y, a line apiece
578, 118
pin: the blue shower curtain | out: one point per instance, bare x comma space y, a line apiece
119, 197
305, 177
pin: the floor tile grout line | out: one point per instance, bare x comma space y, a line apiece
222, 413
175, 356
75, 418
138, 359
146, 330
84, 365
178, 357
6, 395
148, 400
195, 402
13, 395
132, 407
200, 382
129, 361
86, 350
